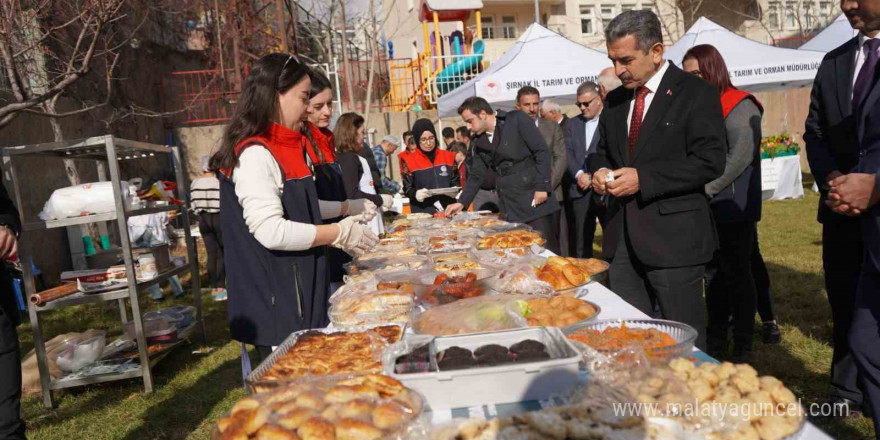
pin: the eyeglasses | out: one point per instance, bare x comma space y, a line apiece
585, 104
427, 140
280, 73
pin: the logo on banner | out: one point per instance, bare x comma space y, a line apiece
492, 88
443, 172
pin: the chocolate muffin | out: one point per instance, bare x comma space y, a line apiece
455, 358
529, 351
492, 354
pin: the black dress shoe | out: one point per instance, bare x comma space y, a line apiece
770, 333
844, 408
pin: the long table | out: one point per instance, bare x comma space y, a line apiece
613, 307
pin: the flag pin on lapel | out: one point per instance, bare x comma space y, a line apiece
668, 92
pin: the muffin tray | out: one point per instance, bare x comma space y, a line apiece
488, 385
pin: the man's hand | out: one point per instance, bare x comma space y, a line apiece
453, 209
584, 181
599, 181
626, 182
8, 243
540, 197
852, 194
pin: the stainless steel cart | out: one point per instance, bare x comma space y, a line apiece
106, 151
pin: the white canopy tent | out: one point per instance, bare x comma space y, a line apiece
753, 66
837, 33
541, 58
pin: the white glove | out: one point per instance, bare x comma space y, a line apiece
354, 237
421, 195
387, 200
361, 206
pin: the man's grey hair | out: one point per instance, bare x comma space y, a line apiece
588, 87
391, 139
609, 80
551, 106
642, 24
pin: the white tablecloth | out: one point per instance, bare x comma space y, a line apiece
613, 307
781, 178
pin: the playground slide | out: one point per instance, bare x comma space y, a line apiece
454, 74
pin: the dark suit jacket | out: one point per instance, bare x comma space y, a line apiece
578, 153
830, 134
367, 153
868, 123
516, 143
555, 140
8, 305
681, 147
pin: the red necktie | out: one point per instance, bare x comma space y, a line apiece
636, 122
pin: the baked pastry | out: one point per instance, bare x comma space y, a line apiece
491, 355
275, 433
565, 273
511, 239
559, 311
317, 428
457, 266
369, 308
353, 429
455, 358
316, 353
389, 415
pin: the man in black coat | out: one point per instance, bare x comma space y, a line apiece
832, 151
662, 138
510, 145
11, 425
856, 193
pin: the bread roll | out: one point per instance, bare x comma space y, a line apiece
275, 433
389, 415
357, 409
316, 428
295, 418
352, 429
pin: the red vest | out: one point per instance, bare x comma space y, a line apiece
286, 146
732, 96
418, 161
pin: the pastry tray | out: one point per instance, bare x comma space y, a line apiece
508, 383
254, 379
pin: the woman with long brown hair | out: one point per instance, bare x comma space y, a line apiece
736, 206
273, 233
358, 181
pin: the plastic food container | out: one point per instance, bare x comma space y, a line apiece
372, 308
157, 325
431, 289
79, 353
512, 382
684, 335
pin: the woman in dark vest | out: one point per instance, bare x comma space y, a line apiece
736, 206
328, 172
427, 167
272, 219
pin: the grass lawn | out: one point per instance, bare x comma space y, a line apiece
201, 381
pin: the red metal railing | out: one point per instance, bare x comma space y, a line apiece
206, 96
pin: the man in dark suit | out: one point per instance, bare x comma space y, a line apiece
661, 140
510, 145
11, 425
581, 140
528, 100
857, 194
833, 151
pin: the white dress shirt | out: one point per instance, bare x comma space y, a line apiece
860, 57
652, 85
590, 129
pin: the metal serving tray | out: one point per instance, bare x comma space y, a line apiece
254, 379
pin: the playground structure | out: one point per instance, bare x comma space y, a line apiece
447, 61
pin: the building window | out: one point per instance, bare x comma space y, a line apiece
648, 6
607, 12
508, 26
587, 20
627, 7
809, 16
773, 15
791, 21
488, 28
825, 11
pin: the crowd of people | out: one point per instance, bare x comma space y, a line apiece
665, 159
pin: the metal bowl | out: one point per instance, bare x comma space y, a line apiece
684, 335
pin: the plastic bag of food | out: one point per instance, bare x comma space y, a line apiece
433, 288
520, 279
410, 355
81, 351
507, 257
84, 199
473, 315
381, 306
388, 262
511, 239
368, 406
